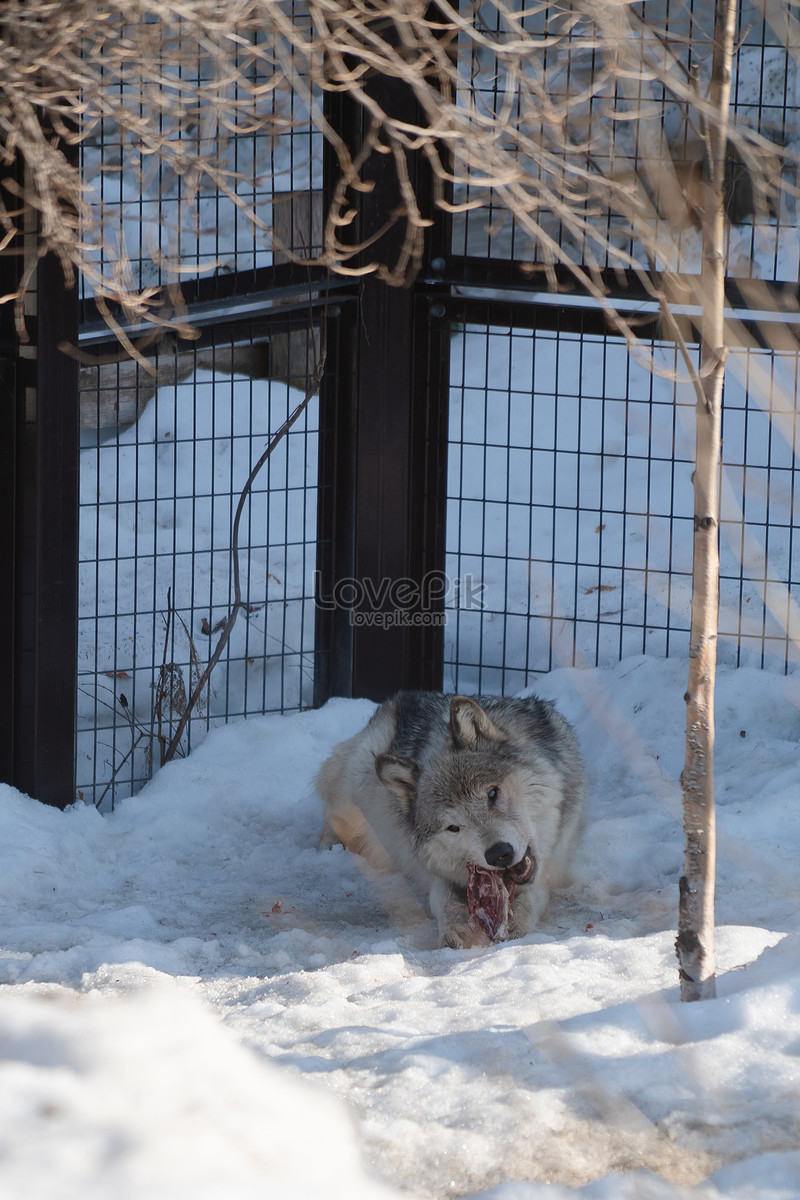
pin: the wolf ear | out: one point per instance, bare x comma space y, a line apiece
468, 722
400, 776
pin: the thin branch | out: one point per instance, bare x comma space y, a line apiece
142, 734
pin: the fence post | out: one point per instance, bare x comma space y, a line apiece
392, 444
8, 438
38, 534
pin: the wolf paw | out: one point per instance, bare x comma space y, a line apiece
327, 838
462, 937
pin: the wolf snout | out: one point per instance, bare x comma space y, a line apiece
501, 855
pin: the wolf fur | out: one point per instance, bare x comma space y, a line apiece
434, 783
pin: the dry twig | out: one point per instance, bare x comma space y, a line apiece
580, 120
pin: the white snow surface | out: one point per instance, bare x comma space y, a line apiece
197, 1000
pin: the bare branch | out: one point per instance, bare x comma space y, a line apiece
583, 121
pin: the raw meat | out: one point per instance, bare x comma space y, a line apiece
489, 902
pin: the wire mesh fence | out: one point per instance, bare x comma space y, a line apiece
231, 155
759, 566
569, 520
158, 495
571, 116
166, 450
570, 506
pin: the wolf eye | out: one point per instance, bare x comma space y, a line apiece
453, 829
492, 795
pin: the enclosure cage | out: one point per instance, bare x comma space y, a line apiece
483, 485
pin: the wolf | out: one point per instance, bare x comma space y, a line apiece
437, 786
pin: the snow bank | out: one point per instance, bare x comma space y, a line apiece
131, 1088
194, 996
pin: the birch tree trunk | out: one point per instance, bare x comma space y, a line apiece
695, 942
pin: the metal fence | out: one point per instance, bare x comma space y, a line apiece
158, 499
166, 452
570, 502
486, 487
565, 497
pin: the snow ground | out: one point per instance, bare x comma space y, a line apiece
197, 999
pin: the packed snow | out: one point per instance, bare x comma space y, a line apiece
197, 999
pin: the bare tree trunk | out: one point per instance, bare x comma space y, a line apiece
695, 942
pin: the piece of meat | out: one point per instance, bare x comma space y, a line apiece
489, 902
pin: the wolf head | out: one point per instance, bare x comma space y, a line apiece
473, 802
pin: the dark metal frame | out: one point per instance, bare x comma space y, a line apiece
383, 448
382, 494
38, 528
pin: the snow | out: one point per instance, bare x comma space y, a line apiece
121, 1086
196, 999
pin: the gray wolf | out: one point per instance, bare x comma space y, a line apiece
436, 787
